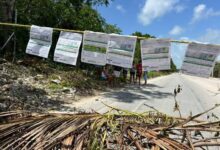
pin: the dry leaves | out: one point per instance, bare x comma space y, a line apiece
116, 129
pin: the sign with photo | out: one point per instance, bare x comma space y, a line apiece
121, 50
67, 48
40, 41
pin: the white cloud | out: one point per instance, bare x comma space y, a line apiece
120, 8
154, 9
211, 36
185, 38
176, 30
180, 8
202, 12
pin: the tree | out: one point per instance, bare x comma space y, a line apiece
67, 14
108, 28
6, 15
6, 10
216, 70
172, 66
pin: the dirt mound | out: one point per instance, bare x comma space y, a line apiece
36, 86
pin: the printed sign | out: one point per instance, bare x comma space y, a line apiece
200, 59
94, 48
67, 49
121, 50
155, 54
40, 41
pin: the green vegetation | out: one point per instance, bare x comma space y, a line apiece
217, 70
94, 48
173, 66
67, 14
153, 74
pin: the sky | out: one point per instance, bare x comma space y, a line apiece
192, 20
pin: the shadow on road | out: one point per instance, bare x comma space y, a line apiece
26, 97
135, 93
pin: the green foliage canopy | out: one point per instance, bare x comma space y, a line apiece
67, 14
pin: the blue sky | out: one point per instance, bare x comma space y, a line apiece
193, 20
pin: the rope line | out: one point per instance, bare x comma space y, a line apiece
77, 31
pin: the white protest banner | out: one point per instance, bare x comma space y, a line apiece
155, 54
94, 48
200, 59
67, 49
121, 50
40, 41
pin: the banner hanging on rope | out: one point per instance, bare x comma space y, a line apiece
155, 54
40, 41
67, 48
200, 59
94, 48
121, 50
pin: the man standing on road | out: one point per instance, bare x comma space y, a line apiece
132, 73
145, 76
139, 72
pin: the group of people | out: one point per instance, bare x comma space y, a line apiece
136, 73
110, 73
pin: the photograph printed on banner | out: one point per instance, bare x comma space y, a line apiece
40, 41
121, 50
155, 54
67, 48
94, 48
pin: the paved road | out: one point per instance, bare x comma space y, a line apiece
198, 95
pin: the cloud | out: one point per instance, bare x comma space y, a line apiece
184, 38
202, 12
120, 8
179, 8
176, 30
154, 9
211, 36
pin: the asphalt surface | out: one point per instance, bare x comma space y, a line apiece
197, 95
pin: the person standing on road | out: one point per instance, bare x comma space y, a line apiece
139, 72
132, 73
125, 72
145, 76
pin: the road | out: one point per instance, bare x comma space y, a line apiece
197, 95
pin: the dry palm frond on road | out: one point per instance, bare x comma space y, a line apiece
116, 129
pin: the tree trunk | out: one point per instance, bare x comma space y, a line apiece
7, 9
6, 15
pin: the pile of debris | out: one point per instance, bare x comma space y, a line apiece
117, 129
41, 88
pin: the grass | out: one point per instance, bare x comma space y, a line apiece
153, 74
94, 48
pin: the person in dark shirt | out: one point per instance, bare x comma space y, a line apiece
139, 72
125, 72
